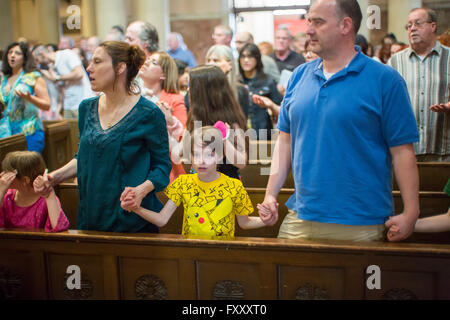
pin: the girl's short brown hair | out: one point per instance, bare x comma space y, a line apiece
132, 56
27, 163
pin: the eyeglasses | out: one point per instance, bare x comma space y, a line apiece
244, 56
418, 24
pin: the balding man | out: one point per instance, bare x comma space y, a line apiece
345, 122
178, 50
144, 35
269, 65
425, 66
92, 44
285, 58
223, 35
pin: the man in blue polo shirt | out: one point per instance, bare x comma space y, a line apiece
346, 120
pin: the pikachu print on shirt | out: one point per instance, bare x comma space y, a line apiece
209, 208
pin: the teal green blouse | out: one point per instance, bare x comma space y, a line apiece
134, 150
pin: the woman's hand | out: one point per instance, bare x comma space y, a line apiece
262, 101
167, 110
131, 198
24, 95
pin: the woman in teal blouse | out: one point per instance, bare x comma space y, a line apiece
123, 146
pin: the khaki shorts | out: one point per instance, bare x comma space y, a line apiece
71, 114
295, 228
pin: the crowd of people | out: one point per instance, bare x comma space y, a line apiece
346, 115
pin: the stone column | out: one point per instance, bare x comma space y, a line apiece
6, 23
157, 13
398, 17
49, 23
363, 30
109, 13
88, 20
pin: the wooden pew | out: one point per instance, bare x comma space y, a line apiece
74, 139
432, 203
34, 265
433, 175
58, 148
16, 142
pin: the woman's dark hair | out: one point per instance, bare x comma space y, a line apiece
132, 56
361, 41
28, 62
211, 98
253, 51
2, 108
181, 66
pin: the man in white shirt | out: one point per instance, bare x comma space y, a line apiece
66, 67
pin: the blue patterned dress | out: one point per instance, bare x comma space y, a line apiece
23, 116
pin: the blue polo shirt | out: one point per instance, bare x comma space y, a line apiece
184, 55
341, 132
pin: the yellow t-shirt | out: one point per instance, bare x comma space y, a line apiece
209, 207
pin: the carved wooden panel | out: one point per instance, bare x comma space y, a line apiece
149, 279
403, 285
309, 283
15, 282
239, 281
11, 283
92, 278
228, 290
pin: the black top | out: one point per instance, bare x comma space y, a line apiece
293, 60
258, 116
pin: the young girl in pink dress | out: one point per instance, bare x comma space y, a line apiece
20, 206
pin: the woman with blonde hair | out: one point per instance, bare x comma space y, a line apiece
160, 76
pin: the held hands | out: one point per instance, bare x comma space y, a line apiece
131, 199
268, 211
400, 227
43, 185
6, 178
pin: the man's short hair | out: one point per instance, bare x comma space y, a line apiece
225, 28
149, 36
285, 28
432, 15
350, 8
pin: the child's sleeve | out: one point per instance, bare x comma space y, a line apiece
242, 203
63, 222
174, 191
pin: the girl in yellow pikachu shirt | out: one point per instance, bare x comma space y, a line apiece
210, 198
